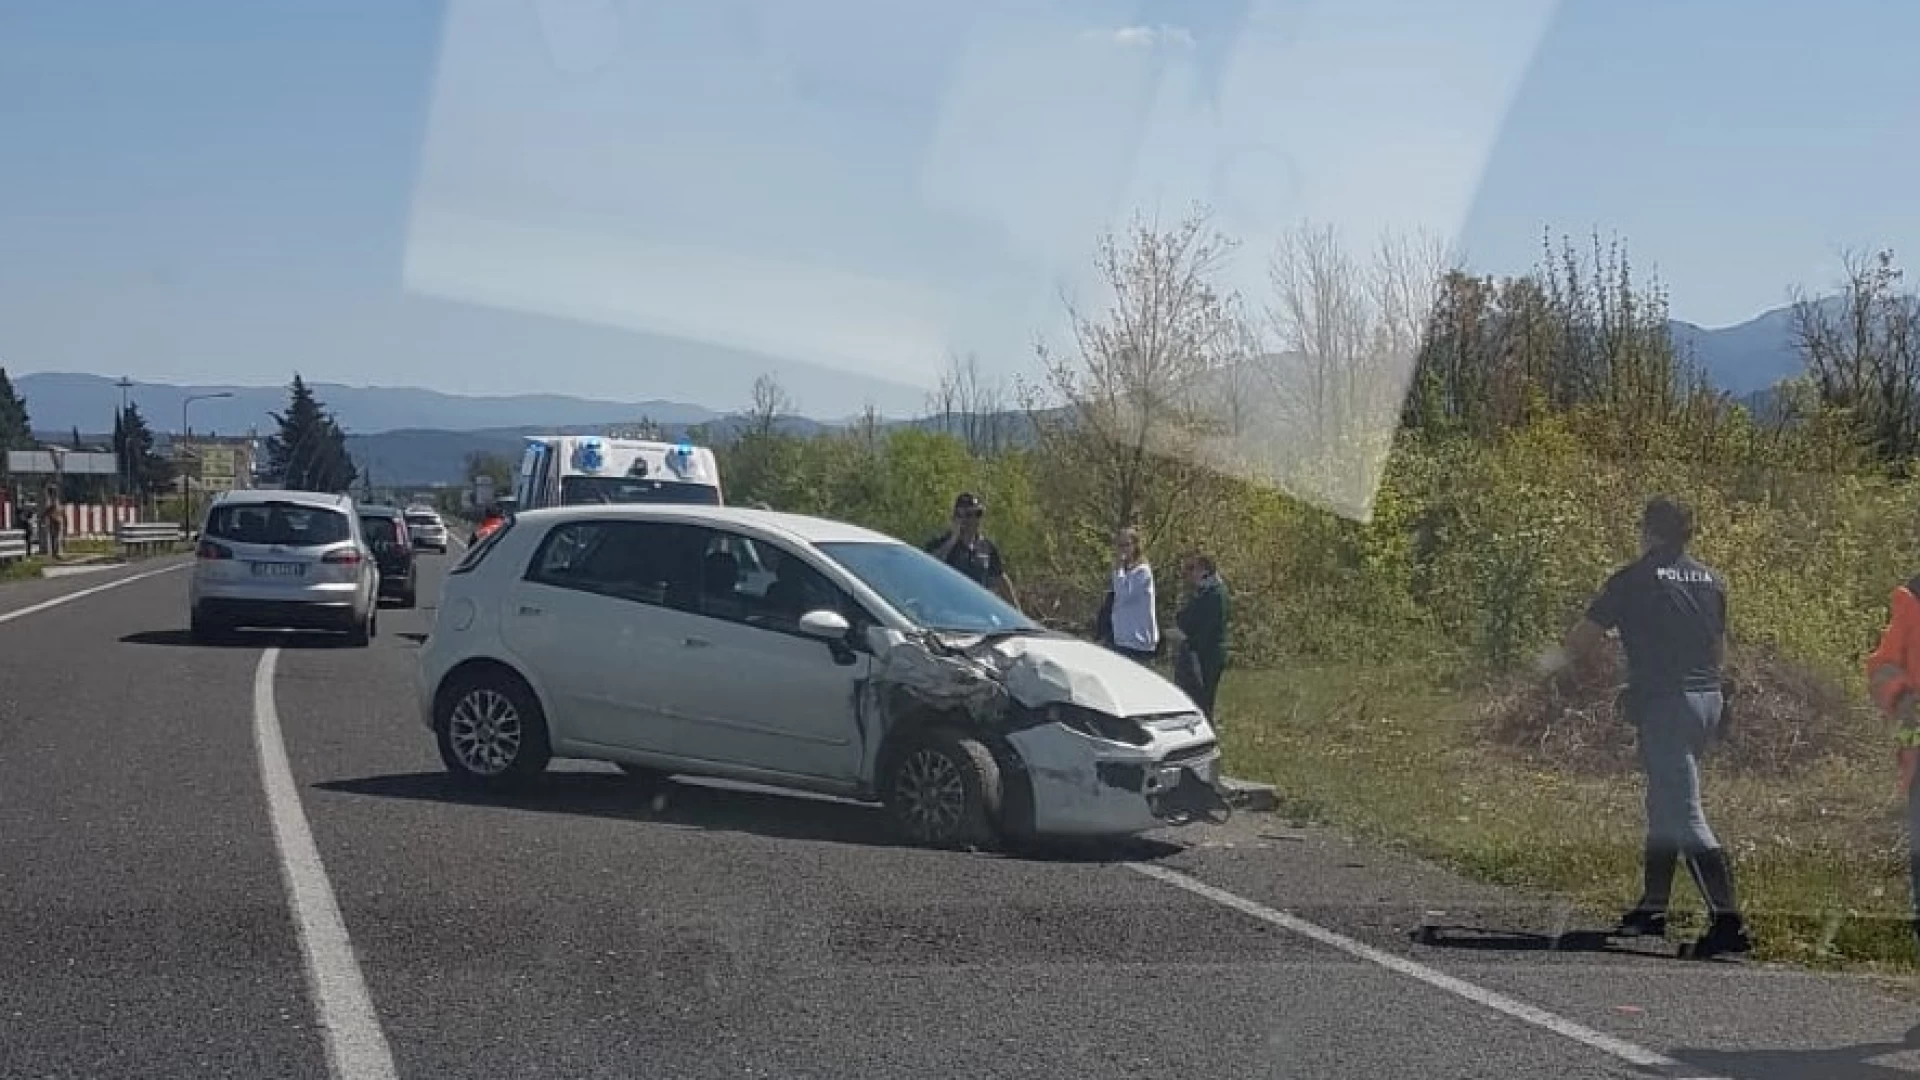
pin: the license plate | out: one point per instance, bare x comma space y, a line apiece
279, 569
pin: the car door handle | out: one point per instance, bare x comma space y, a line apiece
696, 643
526, 610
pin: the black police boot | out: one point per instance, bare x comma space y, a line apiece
1642, 923
1727, 934
1649, 917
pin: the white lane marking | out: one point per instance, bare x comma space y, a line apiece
1628, 1052
81, 594
356, 1047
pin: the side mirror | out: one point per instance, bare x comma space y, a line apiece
825, 624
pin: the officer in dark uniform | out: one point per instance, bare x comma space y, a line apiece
967, 550
1671, 614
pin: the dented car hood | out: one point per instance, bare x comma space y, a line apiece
981, 674
1049, 670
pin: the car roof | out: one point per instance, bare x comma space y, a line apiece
811, 530
256, 496
377, 511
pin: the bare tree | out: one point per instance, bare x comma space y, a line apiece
1862, 350
1408, 273
1344, 337
770, 404
869, 428
1131, 388
970, 406
943, 401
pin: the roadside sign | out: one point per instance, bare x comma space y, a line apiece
72, 463
218, 463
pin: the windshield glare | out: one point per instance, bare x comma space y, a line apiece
926, 590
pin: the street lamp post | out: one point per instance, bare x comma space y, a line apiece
186, 482
122, 466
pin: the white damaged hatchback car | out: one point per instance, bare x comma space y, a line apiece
801, 653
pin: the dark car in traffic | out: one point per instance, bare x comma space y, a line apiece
386, 532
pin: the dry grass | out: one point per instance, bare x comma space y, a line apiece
1500, 788
21, 569
1782, 719
89, 545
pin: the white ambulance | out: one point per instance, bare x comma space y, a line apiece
574, 470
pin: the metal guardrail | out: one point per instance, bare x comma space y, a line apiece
145, 537
13, 545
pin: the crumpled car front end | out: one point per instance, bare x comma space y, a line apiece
1106, 746
1098, 774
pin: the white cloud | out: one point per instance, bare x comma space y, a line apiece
1143, 37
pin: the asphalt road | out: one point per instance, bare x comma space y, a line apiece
151, 925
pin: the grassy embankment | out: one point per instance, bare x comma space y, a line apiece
1399, 756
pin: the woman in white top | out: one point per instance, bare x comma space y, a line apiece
1136, 619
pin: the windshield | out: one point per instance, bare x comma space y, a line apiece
926, 590
575, 490
285, 524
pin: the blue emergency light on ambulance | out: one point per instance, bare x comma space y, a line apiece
589, 456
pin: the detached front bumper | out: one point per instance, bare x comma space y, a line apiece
1084, 786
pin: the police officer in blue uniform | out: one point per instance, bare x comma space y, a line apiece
1670, 611
965, 548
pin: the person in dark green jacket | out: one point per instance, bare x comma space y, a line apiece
1203, 630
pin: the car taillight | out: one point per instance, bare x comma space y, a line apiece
210, 550
343, 557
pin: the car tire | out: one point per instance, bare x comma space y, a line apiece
943, 789
473, 716
410, 598
361, 634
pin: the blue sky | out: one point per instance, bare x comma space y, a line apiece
665, 199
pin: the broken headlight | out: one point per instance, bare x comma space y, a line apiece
1099, 725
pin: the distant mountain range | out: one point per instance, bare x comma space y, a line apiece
412, 436
410, 457
59, 401
1745, 359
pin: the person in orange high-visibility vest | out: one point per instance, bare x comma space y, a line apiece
1893, 678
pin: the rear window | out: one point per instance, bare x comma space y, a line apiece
381, 530
286, 524
422, 519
